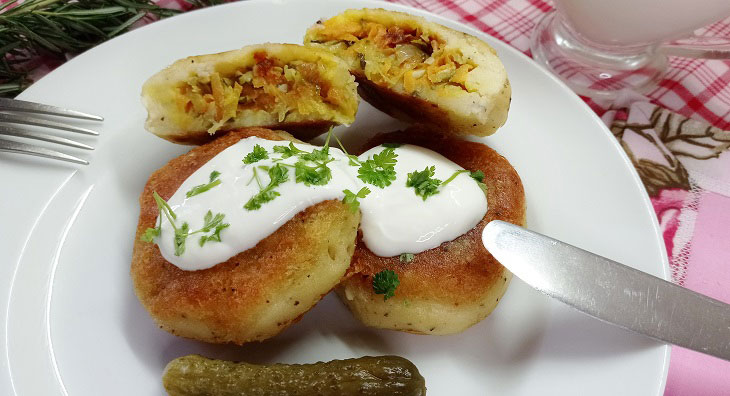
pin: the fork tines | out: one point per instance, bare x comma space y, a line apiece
8, 108
31, 107
24, 148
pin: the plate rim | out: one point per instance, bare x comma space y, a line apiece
499, 45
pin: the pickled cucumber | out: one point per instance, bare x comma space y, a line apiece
195, 375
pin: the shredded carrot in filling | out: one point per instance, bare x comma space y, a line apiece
270, 85
400, 54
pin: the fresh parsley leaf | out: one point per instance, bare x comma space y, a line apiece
391, 145
352, 200
287, 152
311, 168
181, 234
317, 155
212, 223
259, 199
201, 188
478, 177
312, 175
379, 170
406, 257
259, 153
423, 182
150, 234
385, 282
278, 174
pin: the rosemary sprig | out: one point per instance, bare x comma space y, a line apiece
34, 32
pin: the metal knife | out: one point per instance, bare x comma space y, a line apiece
611, 291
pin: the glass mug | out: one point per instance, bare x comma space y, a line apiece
601, 48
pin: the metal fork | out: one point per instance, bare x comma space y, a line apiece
10, 106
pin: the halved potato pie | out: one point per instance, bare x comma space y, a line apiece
418, 70
304, 91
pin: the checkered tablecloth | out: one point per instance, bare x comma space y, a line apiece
679, 141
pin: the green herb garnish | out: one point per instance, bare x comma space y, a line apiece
259, 153
151, 233
278, 174
354, 161
289, 151
406, 257
380, 169
426, 185
353, 200
385, 282
212, 223
311, 167
391, 145
181, 234
201, 188
453, 176
423, 182
478, 177
318, 174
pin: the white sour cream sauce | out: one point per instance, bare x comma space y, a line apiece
394, 219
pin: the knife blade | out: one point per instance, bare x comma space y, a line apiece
611, 291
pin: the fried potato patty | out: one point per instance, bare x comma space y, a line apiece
452, 287
301, 90
419, 71
257, 293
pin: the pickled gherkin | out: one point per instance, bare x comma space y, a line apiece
195, 375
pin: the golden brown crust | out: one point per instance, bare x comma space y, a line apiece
458, 273
253, 295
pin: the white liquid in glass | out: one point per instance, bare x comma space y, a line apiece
640, 22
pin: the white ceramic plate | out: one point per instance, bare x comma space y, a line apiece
74, 326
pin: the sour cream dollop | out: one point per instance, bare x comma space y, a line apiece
394, 219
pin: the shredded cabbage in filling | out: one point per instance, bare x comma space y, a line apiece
400, 54
270, 86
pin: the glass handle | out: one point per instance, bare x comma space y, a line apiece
698, 47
